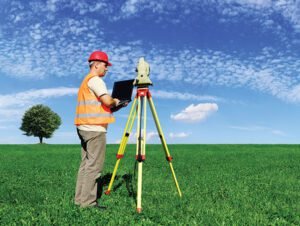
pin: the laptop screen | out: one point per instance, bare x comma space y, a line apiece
122, 90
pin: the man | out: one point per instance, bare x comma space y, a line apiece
92, 118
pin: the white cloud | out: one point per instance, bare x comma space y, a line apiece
293, 94
255, 10
151, 135
31, 96
265, 8
275, 73
64, 137
183, 96
256, 128
51, 5
13, 106
179, 135
129, 7
249, 128
11, 114
164, 11
196, 113
278, 132
37, 52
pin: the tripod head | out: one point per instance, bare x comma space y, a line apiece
143, 70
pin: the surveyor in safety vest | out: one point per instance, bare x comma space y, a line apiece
93, 115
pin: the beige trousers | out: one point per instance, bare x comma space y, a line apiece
93, 146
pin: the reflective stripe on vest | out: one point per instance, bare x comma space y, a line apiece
89, 102
93, 115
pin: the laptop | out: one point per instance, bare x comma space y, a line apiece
122, 90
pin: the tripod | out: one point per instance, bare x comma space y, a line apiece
143, 95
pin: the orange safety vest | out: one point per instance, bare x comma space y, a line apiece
89, 110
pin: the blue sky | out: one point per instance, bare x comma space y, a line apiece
223, 71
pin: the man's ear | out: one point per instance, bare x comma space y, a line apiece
96, 65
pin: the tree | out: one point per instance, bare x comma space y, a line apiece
40, 121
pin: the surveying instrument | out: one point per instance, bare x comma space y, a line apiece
139, 109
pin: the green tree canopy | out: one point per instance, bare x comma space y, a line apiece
40, 121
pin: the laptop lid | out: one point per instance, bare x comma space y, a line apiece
122, 90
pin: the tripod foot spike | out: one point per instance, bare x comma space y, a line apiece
107, 192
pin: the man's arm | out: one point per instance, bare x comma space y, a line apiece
108, 101
97, 86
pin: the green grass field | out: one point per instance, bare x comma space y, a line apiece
221, 185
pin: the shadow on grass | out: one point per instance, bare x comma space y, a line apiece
126, 179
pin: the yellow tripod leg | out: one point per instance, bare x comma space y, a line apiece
140, 164
144, 134
123, 144
164, 143
139, 189
126, 133
138, 127
141, 158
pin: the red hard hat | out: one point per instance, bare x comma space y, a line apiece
99, 56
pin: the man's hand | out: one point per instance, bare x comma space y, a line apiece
125, 104
108, 101
114, 109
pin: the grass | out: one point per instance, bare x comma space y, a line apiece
221, 185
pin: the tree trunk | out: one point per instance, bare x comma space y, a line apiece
41, 140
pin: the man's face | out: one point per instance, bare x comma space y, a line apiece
101, 68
